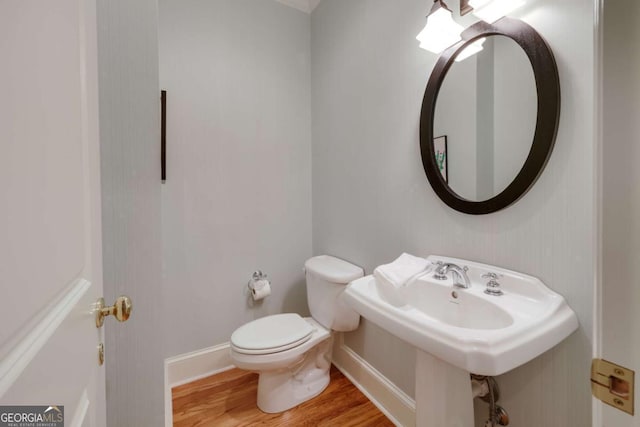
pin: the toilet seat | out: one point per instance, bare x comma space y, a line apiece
271, 334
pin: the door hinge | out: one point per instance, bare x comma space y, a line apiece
613, 384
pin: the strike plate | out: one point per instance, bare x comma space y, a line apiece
613, 384
464, 7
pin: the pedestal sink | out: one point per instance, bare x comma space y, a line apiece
461, 331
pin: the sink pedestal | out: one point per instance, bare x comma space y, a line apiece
443, 393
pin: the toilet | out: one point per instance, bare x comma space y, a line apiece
292, 354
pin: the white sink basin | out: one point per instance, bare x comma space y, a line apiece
465, 310
476, 332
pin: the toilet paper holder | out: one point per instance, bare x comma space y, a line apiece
258, 280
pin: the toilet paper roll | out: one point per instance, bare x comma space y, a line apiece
260, 289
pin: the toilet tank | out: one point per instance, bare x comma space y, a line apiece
327, 278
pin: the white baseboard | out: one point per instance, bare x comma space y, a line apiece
193, 366
188, 367
393, 402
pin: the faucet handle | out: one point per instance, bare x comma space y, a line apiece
493, 287
440, 272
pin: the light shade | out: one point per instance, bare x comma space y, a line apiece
471, 50
492, 10
441, 30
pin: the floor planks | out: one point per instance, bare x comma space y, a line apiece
229, 400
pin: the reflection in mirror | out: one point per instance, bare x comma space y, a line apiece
487, 109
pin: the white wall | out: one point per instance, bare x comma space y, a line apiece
238, 190
371, 199
621, 194
130, 153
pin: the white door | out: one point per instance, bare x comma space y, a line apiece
50, 241
618, 332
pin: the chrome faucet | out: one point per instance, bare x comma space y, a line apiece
461, 280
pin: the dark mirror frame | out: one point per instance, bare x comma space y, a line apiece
548, 89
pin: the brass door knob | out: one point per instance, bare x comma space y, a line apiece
121, 310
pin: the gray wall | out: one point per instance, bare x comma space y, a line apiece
458, 102
515, 107
621, 193
371, 200
130, 153
238, 193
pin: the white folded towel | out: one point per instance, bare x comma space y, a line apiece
399, 272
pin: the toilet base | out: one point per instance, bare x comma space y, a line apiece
286, 388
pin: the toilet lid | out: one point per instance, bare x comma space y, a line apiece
271, 334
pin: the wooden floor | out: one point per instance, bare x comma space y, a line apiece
229, 399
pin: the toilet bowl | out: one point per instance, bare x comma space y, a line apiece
292, 354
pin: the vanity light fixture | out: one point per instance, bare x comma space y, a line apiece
492, 10
441, 30
471, 50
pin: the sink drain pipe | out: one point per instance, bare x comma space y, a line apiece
486, 388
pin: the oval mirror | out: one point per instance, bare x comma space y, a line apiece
489, 119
